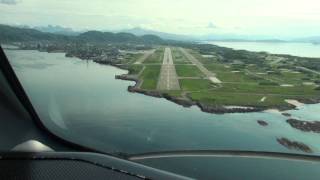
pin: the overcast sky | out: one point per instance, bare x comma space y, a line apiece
258, 17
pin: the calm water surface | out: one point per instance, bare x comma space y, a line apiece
83, 102
297, 49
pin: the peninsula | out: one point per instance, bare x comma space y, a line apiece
206, 76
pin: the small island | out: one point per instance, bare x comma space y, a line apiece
299, 146
262, 123
306, 126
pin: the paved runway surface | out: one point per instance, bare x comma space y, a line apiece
168, 79
144, 57
211, 76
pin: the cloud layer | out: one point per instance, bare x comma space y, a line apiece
248, 17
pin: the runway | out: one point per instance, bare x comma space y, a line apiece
211, 76
168, 79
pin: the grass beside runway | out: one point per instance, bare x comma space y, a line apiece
150, 77
156, 57
196, 84
188, 71
135, 69
242, 84
178, 57
222, 98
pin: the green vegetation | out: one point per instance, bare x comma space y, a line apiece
268, 83
150, 77
174, 93
130, 58
156, 57
135, 69
221, 98
217, 67
245, 82
266, 89
13, 34
178, 57
188, 71
236, 77
196, 84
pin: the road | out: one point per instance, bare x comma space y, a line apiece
168, 79
307, 69
211, 76
144, 57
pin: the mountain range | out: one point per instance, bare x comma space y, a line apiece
25, 34
140, 32
220, 37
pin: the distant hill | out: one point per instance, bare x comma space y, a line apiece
247, 40
57, 30
15, 34
97, 36
140, 32
239, 38
134, 35
313, 39
208, 37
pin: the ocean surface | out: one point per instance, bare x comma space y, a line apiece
297, 49
82, 102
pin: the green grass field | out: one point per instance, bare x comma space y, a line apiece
217, 67
131, 58
196, 84
178, 57
221, 98
150, 77
135, 69
262, 89
188, 71
242, 84
236, 77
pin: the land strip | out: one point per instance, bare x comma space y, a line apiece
168, 79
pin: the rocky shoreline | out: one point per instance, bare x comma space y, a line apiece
294, 145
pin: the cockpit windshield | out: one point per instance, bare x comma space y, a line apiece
130, 77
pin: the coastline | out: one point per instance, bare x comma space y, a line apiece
213, 109
187, 102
